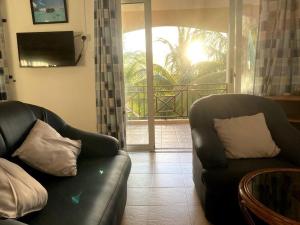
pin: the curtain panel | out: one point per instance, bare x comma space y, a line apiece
278, 48
110, 92
3, 64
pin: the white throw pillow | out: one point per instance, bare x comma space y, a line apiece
246, 137
20, 193
46, 150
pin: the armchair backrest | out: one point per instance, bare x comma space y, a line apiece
206, 143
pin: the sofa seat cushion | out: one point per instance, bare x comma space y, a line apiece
229, 178
90, 198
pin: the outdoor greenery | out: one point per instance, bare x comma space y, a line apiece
172, 79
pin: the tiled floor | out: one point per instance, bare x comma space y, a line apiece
167, 136
161, 191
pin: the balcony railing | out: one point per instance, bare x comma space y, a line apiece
170, 102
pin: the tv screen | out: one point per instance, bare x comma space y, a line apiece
46, 49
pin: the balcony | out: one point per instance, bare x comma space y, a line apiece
171, 107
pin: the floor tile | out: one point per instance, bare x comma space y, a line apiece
140, 180
197, 216
167, 136
167, 196
141, 157
156, 196
192, 196
138, 196
168, 215
135, 215
166, 158
161, 191
167, 168
185, 157
144, 167
186, 168
168, 180
188, 180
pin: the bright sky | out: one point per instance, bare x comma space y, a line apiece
135, 41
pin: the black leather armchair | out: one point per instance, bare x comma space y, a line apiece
96, 196
216, 178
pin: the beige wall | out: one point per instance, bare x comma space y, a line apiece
214, 19
68, 91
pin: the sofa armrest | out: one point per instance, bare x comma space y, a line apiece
93, 144
11, 222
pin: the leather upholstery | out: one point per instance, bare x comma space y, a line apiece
216, 178
96, 196
16, 120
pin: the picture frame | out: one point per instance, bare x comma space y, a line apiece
49, 11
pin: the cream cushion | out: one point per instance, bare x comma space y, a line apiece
246, 137
20, 193
46, 150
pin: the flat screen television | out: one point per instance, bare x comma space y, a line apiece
46, 49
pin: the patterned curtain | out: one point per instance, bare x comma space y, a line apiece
3, 65
278, 48
109, 69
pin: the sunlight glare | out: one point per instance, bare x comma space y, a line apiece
196, 53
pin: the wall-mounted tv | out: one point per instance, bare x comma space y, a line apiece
46, 49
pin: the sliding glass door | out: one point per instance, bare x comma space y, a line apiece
190, 48
174, 53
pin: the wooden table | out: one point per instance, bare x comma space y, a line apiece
273, 195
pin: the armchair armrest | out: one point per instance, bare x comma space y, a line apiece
11, 222
209, 149
93, 144
287, 139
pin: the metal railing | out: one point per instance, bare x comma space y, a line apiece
170, 101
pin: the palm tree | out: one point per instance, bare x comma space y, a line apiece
178, 69
136, 80
135, 70
176, 62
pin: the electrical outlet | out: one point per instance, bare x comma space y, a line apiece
88, 37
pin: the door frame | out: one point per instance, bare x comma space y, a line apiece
149, 68
234, 57
238, 15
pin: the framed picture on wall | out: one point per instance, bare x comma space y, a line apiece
49, 11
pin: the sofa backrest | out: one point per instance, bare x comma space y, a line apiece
16, 120
210, 149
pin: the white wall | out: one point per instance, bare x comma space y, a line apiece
68, 91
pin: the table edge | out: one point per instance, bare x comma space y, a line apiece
255, 206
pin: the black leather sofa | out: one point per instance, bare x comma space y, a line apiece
96, 196
216, 178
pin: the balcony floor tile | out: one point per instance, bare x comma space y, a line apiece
168, 136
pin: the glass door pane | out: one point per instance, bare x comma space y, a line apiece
136, 73
190, 46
